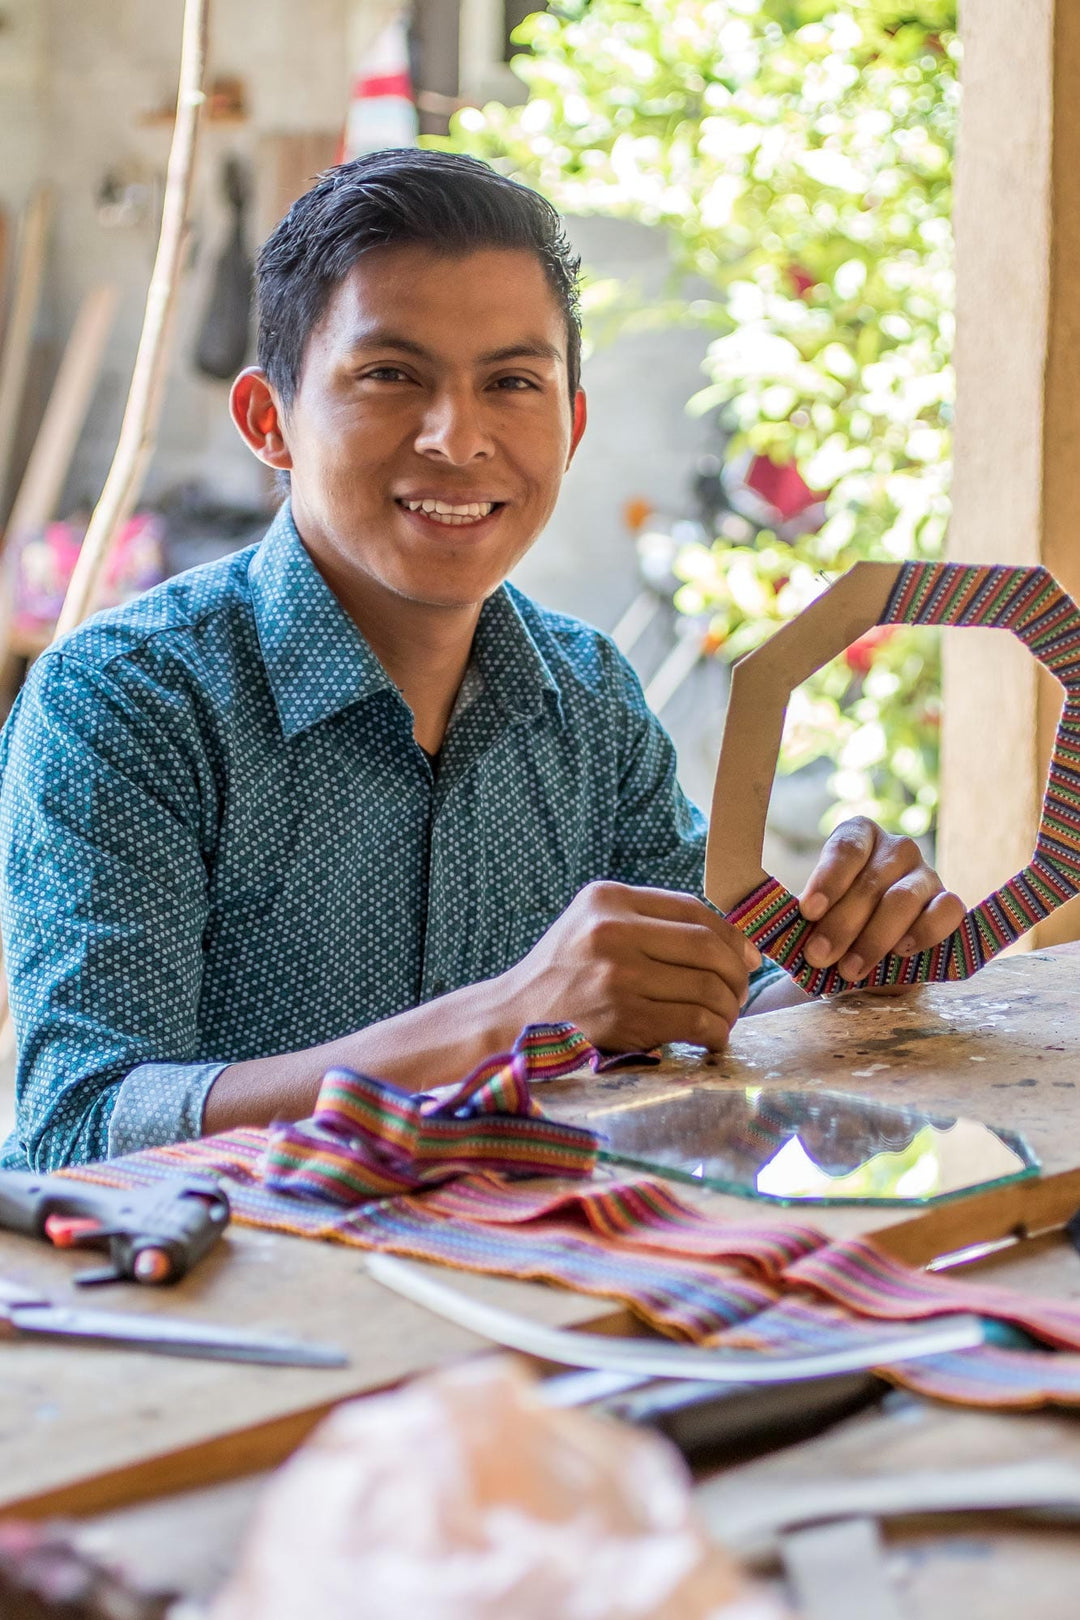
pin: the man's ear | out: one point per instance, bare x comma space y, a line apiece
255, 410
580, 416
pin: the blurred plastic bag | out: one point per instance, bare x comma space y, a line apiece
461, 1497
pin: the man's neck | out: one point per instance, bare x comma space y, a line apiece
425, 652
424, 648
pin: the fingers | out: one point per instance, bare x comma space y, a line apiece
685, 911
694, 945
873, 917
691, 987
844, 856
692, 912
938, 920
879, 896
667, 967
678, 1021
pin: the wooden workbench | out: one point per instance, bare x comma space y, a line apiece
85, 1429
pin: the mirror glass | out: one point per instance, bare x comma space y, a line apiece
811, 1147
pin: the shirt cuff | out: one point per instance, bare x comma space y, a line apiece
160, 1103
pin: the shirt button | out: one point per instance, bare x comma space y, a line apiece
439, 987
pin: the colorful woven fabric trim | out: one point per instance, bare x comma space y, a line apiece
369, 1139
774, 1284
1032, 605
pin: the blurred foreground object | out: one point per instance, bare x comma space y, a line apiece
43, 1575
462, 1497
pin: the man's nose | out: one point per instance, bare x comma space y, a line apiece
454, 429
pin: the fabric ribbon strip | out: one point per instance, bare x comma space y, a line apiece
772, 1284
1032, 605
369, 1139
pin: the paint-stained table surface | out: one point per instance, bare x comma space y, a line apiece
84, 1429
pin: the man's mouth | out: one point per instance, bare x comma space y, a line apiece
452, 514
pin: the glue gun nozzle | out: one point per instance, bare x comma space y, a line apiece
152, 1266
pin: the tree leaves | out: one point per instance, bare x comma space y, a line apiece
798, 153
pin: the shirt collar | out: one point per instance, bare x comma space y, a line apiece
318, 663
508, 659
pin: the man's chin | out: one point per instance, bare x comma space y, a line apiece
447, 595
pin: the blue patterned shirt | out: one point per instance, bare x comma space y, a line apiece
219, 840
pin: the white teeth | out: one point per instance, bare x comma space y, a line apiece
447, 513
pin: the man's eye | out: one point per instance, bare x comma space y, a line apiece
384, 374
515, 384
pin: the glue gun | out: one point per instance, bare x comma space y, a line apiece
153, 1234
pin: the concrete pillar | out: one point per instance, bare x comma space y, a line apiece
1016, 486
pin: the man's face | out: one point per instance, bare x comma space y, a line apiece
432, 382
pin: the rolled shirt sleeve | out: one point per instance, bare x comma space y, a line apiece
103, 906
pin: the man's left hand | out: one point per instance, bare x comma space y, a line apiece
872, 893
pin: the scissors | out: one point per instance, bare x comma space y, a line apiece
25, 1311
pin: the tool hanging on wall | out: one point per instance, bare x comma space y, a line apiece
226, 327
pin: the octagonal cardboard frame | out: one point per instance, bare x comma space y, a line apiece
1026, 601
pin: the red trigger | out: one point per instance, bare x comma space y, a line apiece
67, 1231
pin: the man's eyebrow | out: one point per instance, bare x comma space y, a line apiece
532, 349
528, 349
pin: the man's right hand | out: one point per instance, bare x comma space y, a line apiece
632, 968
636, 968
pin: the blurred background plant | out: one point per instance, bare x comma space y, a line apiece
798, 154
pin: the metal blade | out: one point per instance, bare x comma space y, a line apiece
659, 1360
168, 1337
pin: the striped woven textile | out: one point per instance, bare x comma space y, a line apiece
368, 1138
1032, 605
774, 1284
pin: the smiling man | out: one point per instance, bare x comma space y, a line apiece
347, 797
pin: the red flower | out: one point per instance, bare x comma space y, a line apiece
860, 655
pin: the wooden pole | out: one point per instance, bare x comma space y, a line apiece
15, 357
139, 428
43, 481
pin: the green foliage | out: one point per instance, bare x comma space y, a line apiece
798, 153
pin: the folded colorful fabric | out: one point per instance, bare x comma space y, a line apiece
368, 1138
773, 1283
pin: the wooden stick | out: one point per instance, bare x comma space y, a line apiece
69, 400
15, 358
139, 428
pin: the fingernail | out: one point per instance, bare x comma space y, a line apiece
852, 967
906, 947
814, 907
751, 955
818, 951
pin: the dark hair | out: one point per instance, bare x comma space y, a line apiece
444, 200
